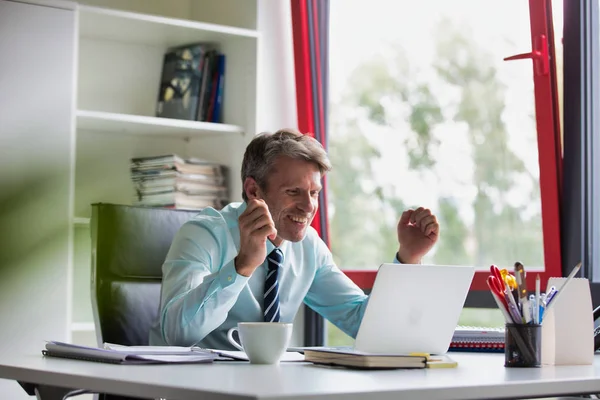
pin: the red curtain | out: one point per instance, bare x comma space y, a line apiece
310, 20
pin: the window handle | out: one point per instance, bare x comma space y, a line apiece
539, 55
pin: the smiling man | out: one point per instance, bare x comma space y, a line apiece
259, 260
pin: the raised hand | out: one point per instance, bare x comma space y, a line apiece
256, 226
418, 231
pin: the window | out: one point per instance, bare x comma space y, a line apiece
581, 216
425, 111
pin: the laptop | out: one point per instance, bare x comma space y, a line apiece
413, 309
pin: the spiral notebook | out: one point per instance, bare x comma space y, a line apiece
478, 339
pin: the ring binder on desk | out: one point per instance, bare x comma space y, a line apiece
478, 339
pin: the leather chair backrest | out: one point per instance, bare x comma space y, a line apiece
129, 246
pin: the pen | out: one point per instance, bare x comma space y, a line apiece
536, 310
513, 308
542, 306
532, 307
549, 295
522, 288
514, 312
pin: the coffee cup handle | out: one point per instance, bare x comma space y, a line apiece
232, 340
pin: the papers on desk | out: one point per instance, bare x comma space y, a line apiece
153, 350
66, 350
221, 355
118, 354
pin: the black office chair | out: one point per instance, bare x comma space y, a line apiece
129, 246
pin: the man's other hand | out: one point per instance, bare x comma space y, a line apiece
418, 231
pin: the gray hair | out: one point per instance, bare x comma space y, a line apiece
266, 147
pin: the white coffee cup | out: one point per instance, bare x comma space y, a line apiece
263, 342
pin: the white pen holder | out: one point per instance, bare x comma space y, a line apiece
568, 327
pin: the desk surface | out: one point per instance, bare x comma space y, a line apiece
477, 376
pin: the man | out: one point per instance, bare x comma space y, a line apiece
217, 272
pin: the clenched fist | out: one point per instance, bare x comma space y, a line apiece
256, 226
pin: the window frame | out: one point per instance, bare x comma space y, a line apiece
582, 147
550, 161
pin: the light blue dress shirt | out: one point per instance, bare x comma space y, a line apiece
203, 296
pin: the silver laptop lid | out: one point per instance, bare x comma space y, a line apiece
413, 308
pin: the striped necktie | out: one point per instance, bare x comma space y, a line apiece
271, 303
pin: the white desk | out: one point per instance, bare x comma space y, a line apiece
477, 376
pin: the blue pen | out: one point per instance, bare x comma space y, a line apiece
542, 306
550, 295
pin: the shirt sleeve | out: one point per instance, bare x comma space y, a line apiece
200, 284
334, 295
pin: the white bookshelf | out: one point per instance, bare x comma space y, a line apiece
136, 124
120, 56
82, 327
111, 24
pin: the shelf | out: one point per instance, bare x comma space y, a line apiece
137, 124
82, 327
80, 221
131, 27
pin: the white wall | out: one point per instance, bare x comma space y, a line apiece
36, 43
276, 80
277, 86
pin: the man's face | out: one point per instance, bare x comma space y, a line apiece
292, 195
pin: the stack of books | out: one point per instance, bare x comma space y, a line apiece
173, 182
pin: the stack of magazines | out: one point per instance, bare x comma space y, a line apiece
173, 182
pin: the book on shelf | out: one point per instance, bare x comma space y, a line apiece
478, 339
177, 199
203, 96
190, 166
350, 358
192, 81
215, 113
211, 89
160, 177
180, 82
191, 189
185, 182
